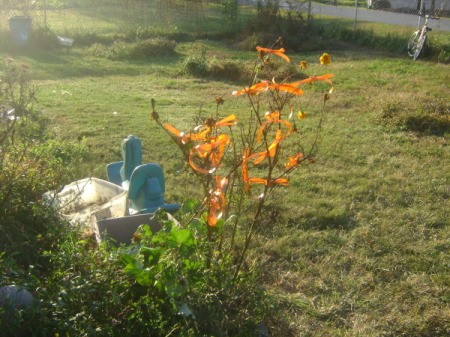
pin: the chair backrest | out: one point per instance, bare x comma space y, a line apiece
132, 156
140, 176
146, 189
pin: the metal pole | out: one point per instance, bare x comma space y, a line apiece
421, 12
45, 15
356, 15
309, 10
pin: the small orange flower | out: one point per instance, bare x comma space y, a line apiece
279, 52
303, 65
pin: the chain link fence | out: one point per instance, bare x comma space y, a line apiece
66, 17
82, 17
440, 8
74, 18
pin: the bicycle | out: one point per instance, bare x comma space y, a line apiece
418, 38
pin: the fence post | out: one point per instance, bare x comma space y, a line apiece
309, 10
356, 15
421, 9
45, 14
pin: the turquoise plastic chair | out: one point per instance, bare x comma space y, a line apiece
119, 173
146, 190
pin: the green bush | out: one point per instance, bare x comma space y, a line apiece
31, 163
196, 65
290, 24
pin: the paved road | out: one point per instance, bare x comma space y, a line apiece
364, 14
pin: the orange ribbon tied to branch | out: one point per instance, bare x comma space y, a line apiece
271, 151
202, 130
293, 161
257, 88
254, 89
279, 52
245, 158
212, 152
217, 201
227, 121
286, 87
312, 79
273, 117
262, 181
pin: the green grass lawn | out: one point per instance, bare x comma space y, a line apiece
358, 244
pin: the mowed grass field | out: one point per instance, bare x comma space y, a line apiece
358, 244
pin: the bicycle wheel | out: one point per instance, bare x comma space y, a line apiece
413, 43
420, 47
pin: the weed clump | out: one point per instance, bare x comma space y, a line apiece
429, 118
199, 65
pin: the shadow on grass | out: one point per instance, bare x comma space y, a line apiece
321, 220
326, 222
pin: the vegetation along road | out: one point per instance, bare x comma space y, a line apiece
370, 15
378, 16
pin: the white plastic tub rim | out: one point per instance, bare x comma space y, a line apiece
79, 201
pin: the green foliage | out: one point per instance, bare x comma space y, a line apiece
197, 64
231, 11
174, 265
31, 164
270, 22
381, 37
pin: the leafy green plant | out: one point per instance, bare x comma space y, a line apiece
173, 265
